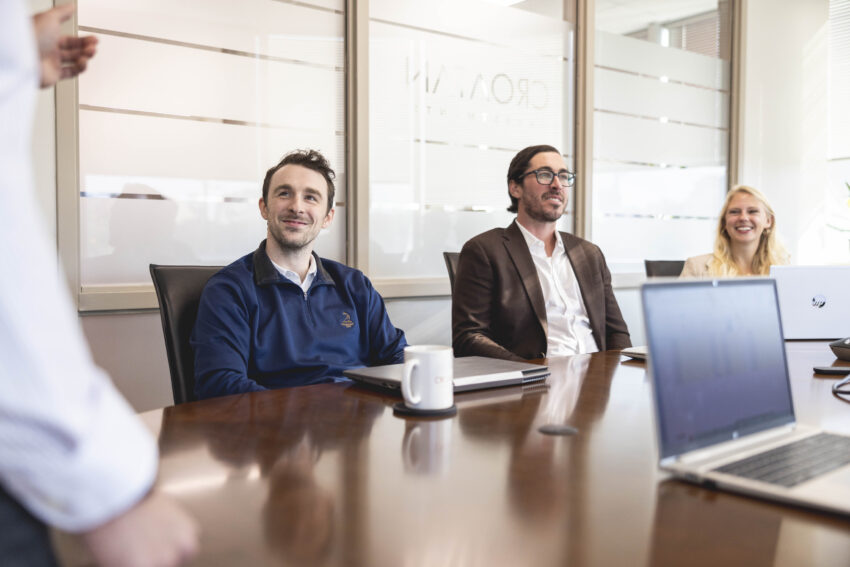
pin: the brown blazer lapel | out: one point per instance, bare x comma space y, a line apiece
520, 256
583, 269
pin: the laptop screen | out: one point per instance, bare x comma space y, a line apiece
717, 357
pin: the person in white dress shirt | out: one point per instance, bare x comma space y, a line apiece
72, 453
529, 291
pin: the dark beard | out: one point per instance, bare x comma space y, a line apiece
536, 210
544, 215
288, 244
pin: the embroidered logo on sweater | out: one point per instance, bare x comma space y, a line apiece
346, 320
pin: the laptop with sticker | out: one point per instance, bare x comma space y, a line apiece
814, 300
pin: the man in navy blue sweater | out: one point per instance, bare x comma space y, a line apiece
281, 316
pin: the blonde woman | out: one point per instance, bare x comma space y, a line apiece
746, 243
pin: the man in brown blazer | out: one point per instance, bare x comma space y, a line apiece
529, 291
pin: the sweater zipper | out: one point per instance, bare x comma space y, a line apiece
308, 310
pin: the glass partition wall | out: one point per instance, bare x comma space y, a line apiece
189, 102
456, 89
661, 128
186, 106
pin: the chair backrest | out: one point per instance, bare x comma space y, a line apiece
663, 267
451, 266
178, 289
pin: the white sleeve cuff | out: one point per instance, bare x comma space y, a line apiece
77, 479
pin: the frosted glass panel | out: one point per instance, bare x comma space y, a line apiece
647, 58
533, 30
695, 192
487, 190
661, 137
162, 147
653, 98
276, 29
651, 213
202, 209
639, 140
456, 89
220, 85
184, 224
185, 108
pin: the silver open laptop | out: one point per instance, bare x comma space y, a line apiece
470, 373
722, 397
814, 301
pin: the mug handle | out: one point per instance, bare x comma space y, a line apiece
407, 383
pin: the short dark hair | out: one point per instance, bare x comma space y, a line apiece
518, 166
311, 159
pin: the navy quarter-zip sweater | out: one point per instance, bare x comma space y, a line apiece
257, 330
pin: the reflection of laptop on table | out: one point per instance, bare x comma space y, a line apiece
470, 373
814, 301
722, 397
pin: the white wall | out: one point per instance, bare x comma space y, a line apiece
130, 347
784, 109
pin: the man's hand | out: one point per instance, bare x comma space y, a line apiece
154, 533
61, 56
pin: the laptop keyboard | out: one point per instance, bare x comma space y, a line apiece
796, 462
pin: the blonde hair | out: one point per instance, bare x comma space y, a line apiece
769, 252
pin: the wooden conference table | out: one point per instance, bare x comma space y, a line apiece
327, 475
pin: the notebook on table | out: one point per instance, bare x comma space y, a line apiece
635, 352
470, 373
724, 415
814, 300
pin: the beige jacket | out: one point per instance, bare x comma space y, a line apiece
697, 267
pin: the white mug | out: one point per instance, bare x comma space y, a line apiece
427, 380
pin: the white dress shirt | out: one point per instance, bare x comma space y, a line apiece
295, 278
71, 449
569, 327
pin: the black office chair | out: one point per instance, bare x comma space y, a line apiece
668, 268
451, 266
178, 289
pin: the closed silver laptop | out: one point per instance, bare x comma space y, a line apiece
470, 373
724, 414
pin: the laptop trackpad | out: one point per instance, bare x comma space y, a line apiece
835, 486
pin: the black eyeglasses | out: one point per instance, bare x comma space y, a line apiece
545, 177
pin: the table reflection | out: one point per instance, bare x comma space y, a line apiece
690, 520
299, 512
328, 475
426, 446
292, 472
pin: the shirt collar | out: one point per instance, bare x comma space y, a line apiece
537, 245
265, 271
294, 276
